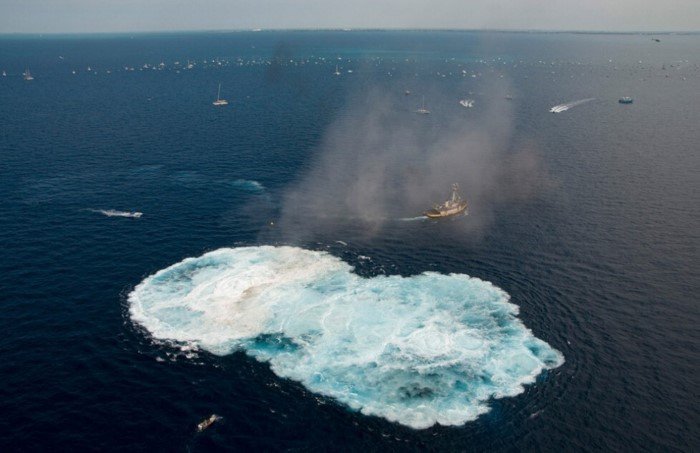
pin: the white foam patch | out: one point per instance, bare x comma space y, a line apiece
418, 350
249, 185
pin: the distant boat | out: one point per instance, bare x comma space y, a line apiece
220, 101
423, 110
27, 75
407, 92
467, 103
455, 205
625, 100
4, 74
336, 70
207, 422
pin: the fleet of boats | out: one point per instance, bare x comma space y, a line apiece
453, 206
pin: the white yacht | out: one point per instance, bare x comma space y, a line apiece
467, 103
220, 101
27, 75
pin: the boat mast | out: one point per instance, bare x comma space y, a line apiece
218, 94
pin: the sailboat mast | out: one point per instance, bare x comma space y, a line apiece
218, 94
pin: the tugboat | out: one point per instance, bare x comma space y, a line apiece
455, 205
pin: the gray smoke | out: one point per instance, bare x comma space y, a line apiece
380, 161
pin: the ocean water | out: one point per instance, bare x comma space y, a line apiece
561, 313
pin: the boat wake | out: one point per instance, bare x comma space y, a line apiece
421, 350
569, 105
412, 219
115, 213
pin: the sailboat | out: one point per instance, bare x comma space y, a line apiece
4, 74
336, 70
423, 110
28, 75
220, 101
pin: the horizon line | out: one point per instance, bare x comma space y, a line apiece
355, 29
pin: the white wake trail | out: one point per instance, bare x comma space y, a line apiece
569, 105
115, 213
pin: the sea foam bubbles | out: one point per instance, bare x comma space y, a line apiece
418, 350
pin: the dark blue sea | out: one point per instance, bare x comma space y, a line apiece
586, 219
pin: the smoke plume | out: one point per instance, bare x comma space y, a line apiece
380, 161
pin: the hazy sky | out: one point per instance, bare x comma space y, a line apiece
47, 16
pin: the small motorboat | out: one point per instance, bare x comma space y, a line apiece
625, 100
207, 422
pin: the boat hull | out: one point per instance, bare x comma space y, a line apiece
435, 214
